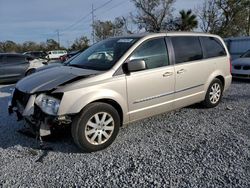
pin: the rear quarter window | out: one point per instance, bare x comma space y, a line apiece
186, 48
212, 47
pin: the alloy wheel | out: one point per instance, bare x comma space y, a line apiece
215, 93
99, 128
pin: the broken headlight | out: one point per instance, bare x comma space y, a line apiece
48, 104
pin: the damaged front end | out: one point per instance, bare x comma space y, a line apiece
39, 110
36, 100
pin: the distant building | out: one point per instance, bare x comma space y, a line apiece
237, 45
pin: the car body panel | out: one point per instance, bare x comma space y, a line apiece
152, 99
11, 69
241, 68
112, 89
55, 54
139, 94
54, 77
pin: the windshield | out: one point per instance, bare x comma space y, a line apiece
246, 54
103, 55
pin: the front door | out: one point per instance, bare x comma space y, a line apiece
151, 91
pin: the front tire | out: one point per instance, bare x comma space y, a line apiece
96, 127
214, 94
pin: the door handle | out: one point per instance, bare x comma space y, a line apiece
181, 71
167, 74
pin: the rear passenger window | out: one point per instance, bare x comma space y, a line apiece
186, 49
213, 47
15, 59
153, 52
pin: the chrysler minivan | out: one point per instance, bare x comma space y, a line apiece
136, 77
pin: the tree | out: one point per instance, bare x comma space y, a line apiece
105, 29
51, 44
9, 46
225, 17
187, 21
209, 16
80, 43
153, 15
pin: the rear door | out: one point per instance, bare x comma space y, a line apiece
151, 91
192, 70
14, 66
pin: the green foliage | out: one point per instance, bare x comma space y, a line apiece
187, 21
10, 46
153, 15
80, 44
105, 29
226, 18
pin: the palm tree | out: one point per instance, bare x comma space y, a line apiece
187, 21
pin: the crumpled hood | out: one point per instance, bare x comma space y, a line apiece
241, 61
49, 66
51, 78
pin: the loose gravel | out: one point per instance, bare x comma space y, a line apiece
191, 147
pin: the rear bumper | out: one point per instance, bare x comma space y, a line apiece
228, 81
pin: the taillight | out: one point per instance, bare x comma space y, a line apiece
230, 64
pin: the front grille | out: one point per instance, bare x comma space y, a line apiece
21, 97
238, 67
246, 67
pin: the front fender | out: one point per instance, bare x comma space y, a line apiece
74, 101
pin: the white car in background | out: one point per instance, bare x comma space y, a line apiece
55, 54
241, 66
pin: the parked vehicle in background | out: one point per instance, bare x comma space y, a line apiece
67, 56
36, 54
241, 66
15, 66
55, 54
56, 64
121, 80
237, 46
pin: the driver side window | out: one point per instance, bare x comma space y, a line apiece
153, 52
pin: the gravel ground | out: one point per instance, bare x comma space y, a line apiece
191, 147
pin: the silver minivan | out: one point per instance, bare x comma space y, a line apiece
123, 79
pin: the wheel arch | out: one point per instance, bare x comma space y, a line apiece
222, 79
217, 74
114, 104
30, 69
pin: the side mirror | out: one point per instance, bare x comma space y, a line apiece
134, 65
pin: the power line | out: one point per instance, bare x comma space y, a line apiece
115, 6
93, 20
86, 16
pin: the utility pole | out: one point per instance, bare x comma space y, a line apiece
58, 38
248, 27
93, 20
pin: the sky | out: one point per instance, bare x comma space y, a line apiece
38, 20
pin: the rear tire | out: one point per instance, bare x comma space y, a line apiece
214, 94
96, 127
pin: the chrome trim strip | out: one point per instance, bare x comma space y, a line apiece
153, 97
188, 88
165, 94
